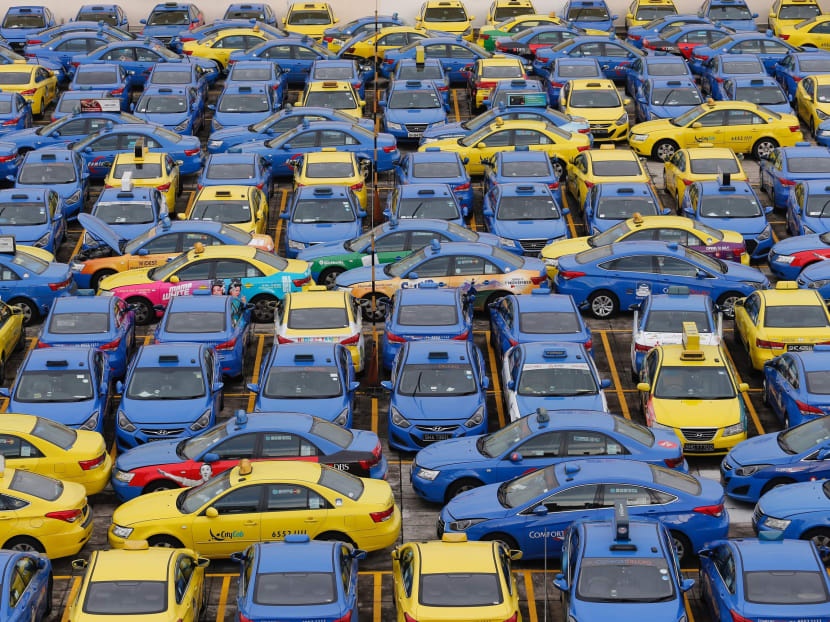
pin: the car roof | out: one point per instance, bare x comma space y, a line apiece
642, 188
23, 194
149, 564
777, 555
570, 60
603, 468
291, 470
159, 67
18, 423
680, 302
611, 154
784, 297
334, 191
592, 83
287, 556
437, 352
88, 304
76, 356
544, 302
442, 557
414, 190
673, 81
705, 153
179, 354
816, 360
710, 187
156, 89
232, 158
645, 535
150, 157
298, 353
427, 295
524, 189
553, 351
712, 357
181, 304
329, 156
226, 191
433, 154
243, 87
804, 151
294, 421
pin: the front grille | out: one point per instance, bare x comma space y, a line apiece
699, 434
416, 127
436, 428
533, 246
600, 125
751, 245
439, 528
163, 432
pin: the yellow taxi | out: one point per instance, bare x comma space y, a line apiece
42, 446
262, 502
11, 332
784, 14
692, 389
641, 12
486, 73
147, 583
147, 169
421, 570
812, 100
446, 16
500, 135
502, 10
320, 315
600, 103
605, 164
678, 229
335, 94
785, 319
309, 18
35, 83
42, 514
741, 126
702, 163
218, 48
329, 167
488, 34
390, 38
244, 207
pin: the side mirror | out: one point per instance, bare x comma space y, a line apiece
211, 107
488, 212
516, 457
605, 383
645, 387
412, 275
354, 385
203, 562
361, 214
142, 251
284, 215
697, 125
515, 555
481, 145
566, 211
173, 279
386, 384
211, 512
119, 387
629, 16
743, 387
485, 382
210, 457
559, 583
768, 209
181, 216
286, 147
666, 211
253, 387
79, 564
687, 584
701, 274
540, 510
511, 384
142, 21
754, 16
132, 107
4, 392
626, 101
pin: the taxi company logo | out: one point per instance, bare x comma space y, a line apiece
556, 535
221, 536
179, 289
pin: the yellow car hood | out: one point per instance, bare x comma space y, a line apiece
566, 247
154, 506
315, 31
696, 413
128, 277
649, 127
597, 114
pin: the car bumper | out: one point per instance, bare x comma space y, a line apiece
382, 536
95, 480
743, 488
69, 541
784, 271
433, 491
611, 133
230, 363
124, 491
718, 445
413, 438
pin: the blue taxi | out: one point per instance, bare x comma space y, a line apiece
69, 104
262, 72
243, 104
360, 25
662, 98
110, 14
797, 511
178, 109
412, 106
128, 210
431, 70
236, 169
454, 53
614, 56
20, 23
342, 69
258, 11
734, 14
522, 166
34, 216
15, 113
294, 54
808, 207
588, 14
565, 68
29, 577
434, 166
61, 47
763, 91
171, 18
765, 47
663, 67
183, 75
321, 214
431, 201
795, 66
794, 385
722, 67
526, 217
636, 34
788, 165
609, 203
107, 77
62, 170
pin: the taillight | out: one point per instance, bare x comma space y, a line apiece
228, 345
486, 85
186, 39
787, 182
673, 462
8, 158
589, 184
806, 409
261, 186
191, 152
389, 61
557, 85
301, 282
485, 37
30, 56
554, 185
34, 42
376, 454
796, 78
393, 338
463, 336
589, 344
784, 37
583, 147
795, 128
513, 618
635, 37
345, 618
640, 347
40, 344
538, 280
86, 465
720, 80
702, 58
461, 187
688, 182
351, 341
112, 345
380, 517
762, 343
389, 149
328, 39
164, 187
70, 516
542, 59
28, 92
710, 510
56, 286
281, 339
737, 617
11, 122
75, 64
570, 274
358, 187
117, 91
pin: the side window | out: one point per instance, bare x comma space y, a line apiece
333, 138
290, 498
419, 239
278, 51
303, 53
168, 243
393, 242
437, 266
121, 54
675, 266
547, 445
245, 500
630, 495
587, 443
573, 499
108, 142
12, 446
712, 119
635, 263
651, 367
498, 139
191, 238
744, 117
529, 137
143, 55
491, 268
725, 565
184, 571
468, 265
459, 51
232, 269
7, 274
236, 447
196, 271
407, 566
283, 445
504, 564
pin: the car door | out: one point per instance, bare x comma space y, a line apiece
741, 131
145, 60
155, 251
535, 453
227, 453
640, 500
676, 271
239, 271
186, 586
788, 390
194, 275
707, 128
25, 593
238, 524
632, 278
577, 173
390, 247
618, 59
720, 580
22, 455
293, 509
501, 319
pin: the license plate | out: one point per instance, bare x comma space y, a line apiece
800, 347
415, 134
152, 439
698, 447
437, 437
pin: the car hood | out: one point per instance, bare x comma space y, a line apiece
323, 232
460, 450
431, 115
566, 247
137, 276
528, 404
667, 610
481, 502
697, 413
172, 413
798, 243
795, 499
738, 271
323, 250
70, 414
148, 454
650, 127
154, 506
25, 234
529, 229
445, 130
101, 231
361, 275
743, 226
446, 407
669, 112
326, 408
759, 450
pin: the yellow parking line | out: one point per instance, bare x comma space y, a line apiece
257, 364
223, 598
614, 375
375, 415
113, 452
278, 226
688, 608
376, 610
568, 217
531, 598
147, 339
494, 375
76, 585
455, 105
77, 245
774, 237
747, 401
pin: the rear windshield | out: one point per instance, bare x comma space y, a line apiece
162, 104
761, 95
224, 210
342, 437
725, 206
427, 315
809, 165
457, 589
742, 67
634, 431
23, 214
339, 100
195, 322
340, 72
21, 20
37, 173
502, 71
79, 323
618, 208
798, 11
814, 65
251, 74
109, 76
667, 69
291, 589
578, 71
170, 77
674, 479
714, 166
439, 208
54, 433
435, 170
616, 168
413, 72
526, 169
297, 383
445, 14
318, 170
168, 18
549, 322
148, 170
343, 483
36, 485
125, 213
309, 18
671, 321
318, 318
15, 77
119, 598
240, 170
587, 14
785, 587
801, 316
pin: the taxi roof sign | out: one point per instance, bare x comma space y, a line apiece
127, 182
454, 537
7, 245
691, 343
136, 545
786, 285
245, 467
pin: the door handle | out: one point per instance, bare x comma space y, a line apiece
312, 520
250, 523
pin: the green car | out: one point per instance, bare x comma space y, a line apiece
393, 241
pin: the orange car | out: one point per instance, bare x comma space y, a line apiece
153, 247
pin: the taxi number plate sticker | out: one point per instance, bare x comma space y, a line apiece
698, 447
437, 437
799, 347
415, 134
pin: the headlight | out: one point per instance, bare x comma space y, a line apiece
507, 242
91, 423
214, 144
732, 430
297, 246
660, 426
202, 422
818, 284
469, 30
181, 127
215, 125
764, 235
750, 469
465, 523
43, 241
424, 141
393, 126
75, 197
639, 138
787, 259
824, 133
77, 266
822, 115
342, 418
476, 419
124, 476
754, 284
398, 419
622, 120
124, 423
552, 262
105, 292
682, 618
807, 230
776, 523
121, 532
427, 474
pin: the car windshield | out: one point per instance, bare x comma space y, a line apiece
36, 485
595, 98
634, 431
426, 72
761, 95
125, 212
21, 20
620, 208
309, 18
23, 214
672, 320
147, 170
587, 14
244, 14
318, 318
244, 102
427, 315
709, 263
497, 443
519, 491
15, 78
196, 445
799, 11
675, 96
724, 206
645, 12
162, 104
803, 437
166, 383
740, 67
438, 208
436, 170
302, 383
309, 211
581, 70
193, 322
338, 72
528, 208
339, 100
117, 598
251, 74
675, 480
294, 589
785, 587
409, 99
714, 166
54, 385
55, 433
795, 316
707, 382
78, 323
624, 580
232, 170
549, 322
437, 380
222, 210
457, 589
194, 498
526, 169
809, 165
168, 18
319, 170
29, 262
46, 173
445, 14
611, 235
403, 266
616, 168
92, 76
557, 380
170, 77
340, 482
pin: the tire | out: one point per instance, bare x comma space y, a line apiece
765, 393
263, 310
685, 554
24, 543
763, 147
663, 150
96, 279
328, 277
728, 309
820, 536
508, 541
775, 483
462, 485
381, 306
50, 588
144, 312
31, 315
166, 542
559, 170
159, 484
334, 536
603, 304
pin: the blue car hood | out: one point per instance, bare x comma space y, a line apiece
157, 452
71, 414
670, 112
175, 412
446, 407
759, 449
64, 190
430, 115
525, 229
786, 109
323, 232
24, 234
163, 118
581, 402
461, 450
735, 270
361, 275
241, 119
481, 502
744, 226
100, 230
18, 34
794, 499
630, 612
798, 243
325, 408
743, 25
445, 130
323, 250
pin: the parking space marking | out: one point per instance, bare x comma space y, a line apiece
531, 598
747, 401
77, 246
375, 415
278, 226
494, 373
688, 608
76, 585
376, 596
568, 215
189, 201
255, 377
223, 598
147, 339
455, 105
614, 375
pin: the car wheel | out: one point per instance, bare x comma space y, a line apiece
144, 312
765, 392
685, 554
164, 542
264, 307
161, 484
462, 485
603, 304
558, 170
664, 150
775, 483
334, 536
763, 148
378, 313
30, 312
96, 279
820, 536
328, 277
506, 540
24, 544
727, 303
